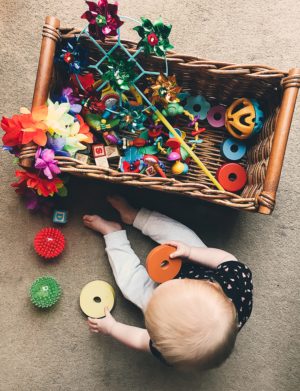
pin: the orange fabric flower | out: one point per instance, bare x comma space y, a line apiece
44, 187
85, 129
34, 129
26, 127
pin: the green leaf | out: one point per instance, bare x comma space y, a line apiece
184, 153
148, 150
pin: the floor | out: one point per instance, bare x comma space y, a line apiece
54, 350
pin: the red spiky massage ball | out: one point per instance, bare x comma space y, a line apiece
49, 242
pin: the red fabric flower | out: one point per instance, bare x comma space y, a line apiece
13, 131
103, 19
43, 186
86, 81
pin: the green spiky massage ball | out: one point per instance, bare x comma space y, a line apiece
45, 292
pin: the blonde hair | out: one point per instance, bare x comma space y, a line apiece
192, 323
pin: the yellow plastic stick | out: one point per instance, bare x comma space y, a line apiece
189, 150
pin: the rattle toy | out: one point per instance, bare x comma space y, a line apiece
95, 296
243, 118
160, 266
44, 292
49, 243
232, 176
197, 105
216, 116
233, 149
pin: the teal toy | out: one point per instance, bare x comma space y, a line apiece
259, 117
60, 216
172, 110
198, 106
233, 149
45, 292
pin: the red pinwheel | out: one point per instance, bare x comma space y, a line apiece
103, 19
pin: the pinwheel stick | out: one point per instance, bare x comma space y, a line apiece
188, 149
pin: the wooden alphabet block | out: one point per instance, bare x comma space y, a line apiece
112, 151
83, 158
150, 171
60, 216
98, 150
102, 162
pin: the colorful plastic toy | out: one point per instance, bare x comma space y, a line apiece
95, 296
180, 168
232, 176
197, 105
160, 266
152, 160
244, 118
233, 149
60, 216
45, 292
49, 243
216, 116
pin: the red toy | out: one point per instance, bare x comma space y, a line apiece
232, 176
49, 243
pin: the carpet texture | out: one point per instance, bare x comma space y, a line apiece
54, 350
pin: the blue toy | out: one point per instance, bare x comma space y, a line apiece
233, 149
259, 117
60, 216
197, 105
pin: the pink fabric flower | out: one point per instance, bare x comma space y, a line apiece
44, 160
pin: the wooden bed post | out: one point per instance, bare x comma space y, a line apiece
43, 79
291, 85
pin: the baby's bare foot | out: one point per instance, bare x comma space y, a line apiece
127, 212
101, 225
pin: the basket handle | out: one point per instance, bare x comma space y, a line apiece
291, 85
43, 79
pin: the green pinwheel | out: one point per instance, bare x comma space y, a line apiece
132, 117
45, 292
155, 37
120, 73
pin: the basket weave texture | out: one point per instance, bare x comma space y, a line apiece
220, 83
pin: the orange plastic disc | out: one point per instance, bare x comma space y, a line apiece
160, 266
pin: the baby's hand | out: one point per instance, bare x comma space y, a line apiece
182, 250
103, 326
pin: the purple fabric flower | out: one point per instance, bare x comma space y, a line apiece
57, 144
68, 94
36, 203
44, 160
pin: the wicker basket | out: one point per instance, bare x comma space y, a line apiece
220, 82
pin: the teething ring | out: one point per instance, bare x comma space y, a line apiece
232, 176
160, 266
95, 296
216, 116
233, 149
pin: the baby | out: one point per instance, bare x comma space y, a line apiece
191, 321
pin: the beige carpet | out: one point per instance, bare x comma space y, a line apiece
54, 351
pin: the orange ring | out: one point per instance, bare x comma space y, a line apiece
160, 266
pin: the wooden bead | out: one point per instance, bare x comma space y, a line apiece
160, 266
232, 176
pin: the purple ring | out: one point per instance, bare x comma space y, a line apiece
211, 116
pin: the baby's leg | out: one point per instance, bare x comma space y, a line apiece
156, 225
131, 277
163, 229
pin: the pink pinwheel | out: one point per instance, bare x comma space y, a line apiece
103, 19
44, 160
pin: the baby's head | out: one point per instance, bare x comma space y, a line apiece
192, 323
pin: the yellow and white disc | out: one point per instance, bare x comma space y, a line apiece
95, 296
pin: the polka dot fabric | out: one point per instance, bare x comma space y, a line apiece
235, 279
